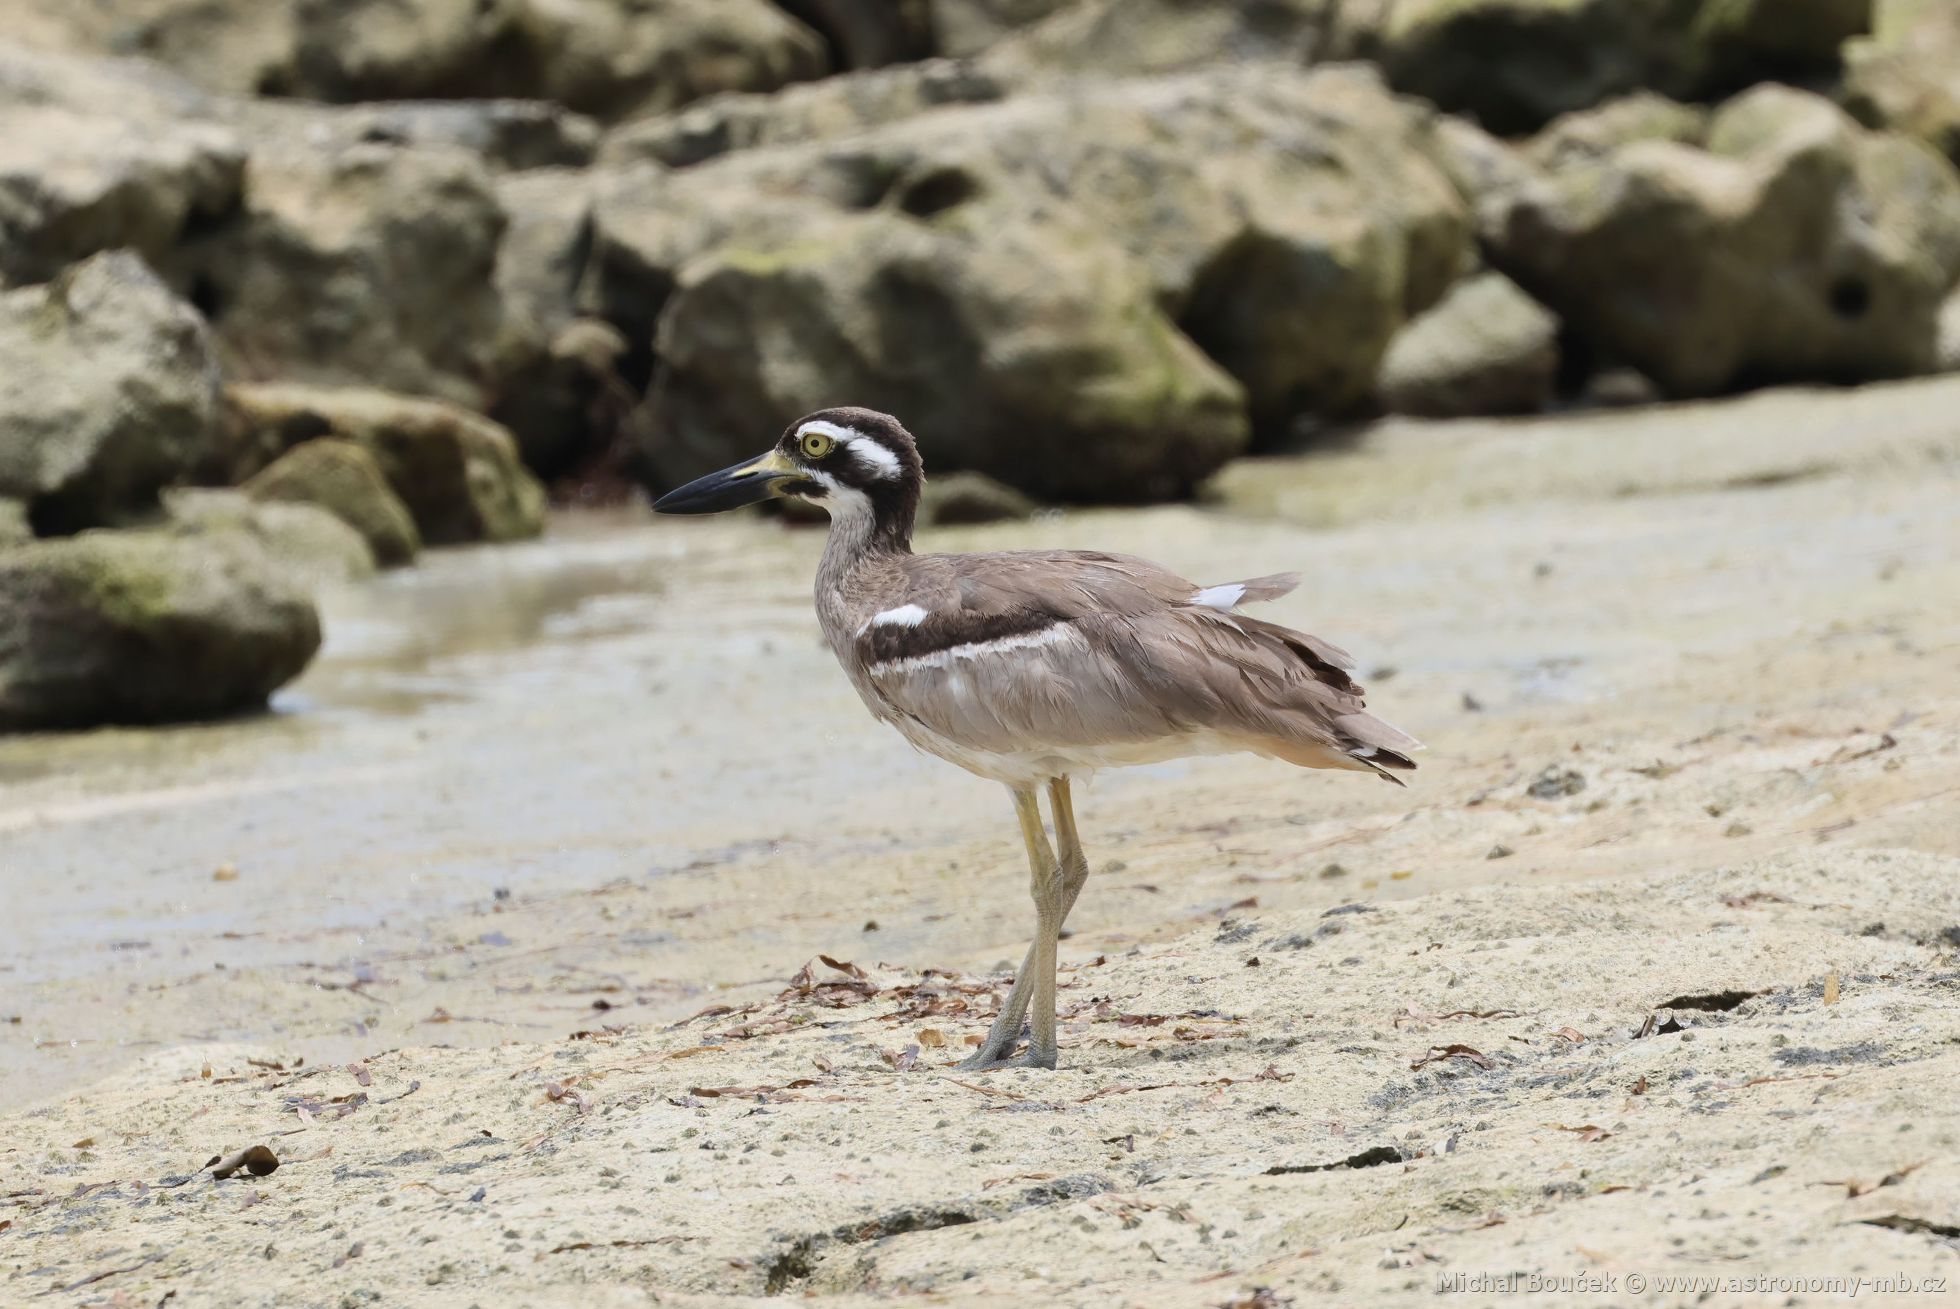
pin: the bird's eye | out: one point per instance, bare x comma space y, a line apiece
816, 445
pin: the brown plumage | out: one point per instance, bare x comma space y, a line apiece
1032, 667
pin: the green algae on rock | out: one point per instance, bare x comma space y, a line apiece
341, 477
145, 627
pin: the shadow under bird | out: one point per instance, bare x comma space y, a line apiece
1033, 667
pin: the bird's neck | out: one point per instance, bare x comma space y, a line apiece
863, 529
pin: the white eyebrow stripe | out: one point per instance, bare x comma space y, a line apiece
873, 457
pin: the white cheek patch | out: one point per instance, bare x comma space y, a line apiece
845, 503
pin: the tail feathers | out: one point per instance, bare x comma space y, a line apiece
1270, 587
1377, 745
1230, 595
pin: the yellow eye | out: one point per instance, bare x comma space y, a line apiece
816, 445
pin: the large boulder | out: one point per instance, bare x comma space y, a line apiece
108, 391
14, 527
1485, 348
457, 471
1038, 360
1133, 38
963, 28
72, 184
1796, 246
1907, 75
613, 58
1516, 64
813, 111
864, 35
930, 264
365, 263
342, 478
145, 627
242, 47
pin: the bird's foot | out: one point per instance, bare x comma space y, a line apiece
986, 1061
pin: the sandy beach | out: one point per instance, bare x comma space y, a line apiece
572, 936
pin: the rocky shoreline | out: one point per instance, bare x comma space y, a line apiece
1091, 251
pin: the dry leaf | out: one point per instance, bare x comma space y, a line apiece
1437, 1053
1831, 987
258, 1160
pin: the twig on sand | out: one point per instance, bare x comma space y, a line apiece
92, 1278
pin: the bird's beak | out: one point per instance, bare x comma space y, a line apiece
731, 488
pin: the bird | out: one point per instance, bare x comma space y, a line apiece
1038, 668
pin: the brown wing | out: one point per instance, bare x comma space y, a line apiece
1075, 650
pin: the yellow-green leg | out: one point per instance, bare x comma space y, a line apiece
1054, 887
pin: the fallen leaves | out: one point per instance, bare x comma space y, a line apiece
1413, 1015
852, 985
1854, 1188
258, 1160
1440, 1053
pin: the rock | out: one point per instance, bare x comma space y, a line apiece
1134, 38
612, 58
1588, 135
1906, 76
962, 498
1485, 348
1083, 388
145, 627
107, 392
342, 478
366, 263
241, 47
457, 471
1948, 351
571, 406
1240, 210
72, 184
504, 134
14, 527
314, 545
1516, 64
964, 28
547, 240
815, 111
868, 35
1795, 246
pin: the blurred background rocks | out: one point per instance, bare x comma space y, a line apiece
409, 267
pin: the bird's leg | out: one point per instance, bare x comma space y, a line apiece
1046, 882
1052, 901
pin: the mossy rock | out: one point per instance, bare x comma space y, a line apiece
342, 478
314, 545
145, 627
457, 472
14, 528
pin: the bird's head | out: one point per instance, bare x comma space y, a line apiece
858, 464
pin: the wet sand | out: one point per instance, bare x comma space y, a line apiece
613, 780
